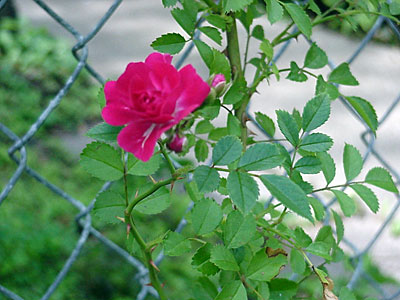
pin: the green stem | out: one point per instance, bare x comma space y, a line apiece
237, 74
337, 186
246, 53
155, 282
153, 189
279, 36
167, 158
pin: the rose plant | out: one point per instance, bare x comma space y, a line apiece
241, 247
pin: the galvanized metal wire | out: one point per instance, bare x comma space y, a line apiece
18, 154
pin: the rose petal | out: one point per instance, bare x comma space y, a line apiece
194, 92
140, 138
118, 115
156, 57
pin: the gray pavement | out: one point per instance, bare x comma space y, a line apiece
129, 32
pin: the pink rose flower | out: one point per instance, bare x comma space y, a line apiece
177, 143
151, 97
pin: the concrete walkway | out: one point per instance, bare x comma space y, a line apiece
129, 32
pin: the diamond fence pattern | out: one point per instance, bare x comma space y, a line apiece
83, 218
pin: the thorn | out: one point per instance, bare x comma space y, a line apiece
154, 266
172, 186
121, 219
162, 284
152, 249
152, 179
137, 192
149, 284
128, 230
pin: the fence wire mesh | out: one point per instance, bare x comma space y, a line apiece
83, 218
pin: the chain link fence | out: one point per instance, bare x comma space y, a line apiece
18, 153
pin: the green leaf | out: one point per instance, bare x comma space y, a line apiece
346, 203
288, 193
308, 165
380, 177
352, 162
263, 291
267, 49
169, 3
108, 206
234, 5
140, 168
218, 133
394, 7
367, 195
329, 89
316, 112
201, 260
266, 123
206, 178
223, 258
206, 216
339, 226
217, 21
300, 18
220, 64
297, 117
101, 98
318, 208
296, 74
201, 150
233, 290
233, 125
301, 237
327, 165
243, 190
261, 157
204, 126
316, 58
314, 7
258, 32
264, 268
205, 52
282, 289
104, 133
288, 127
236, 91
238, 229
208, 286
274, 11
316, 142
212, 33
320, 249
297, 262
366, 111
210, 112
342, 75
175, 244
169, 43
227, 150
184, 20
102, 161
155, 203
346, 294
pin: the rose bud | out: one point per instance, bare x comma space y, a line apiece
219, 84
151, 97
177, 142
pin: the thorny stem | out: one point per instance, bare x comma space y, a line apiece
132, 228
155, 282
237, 73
